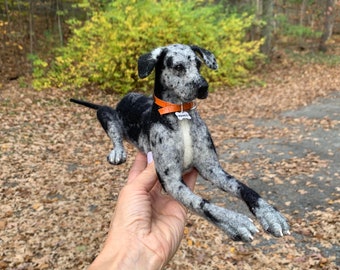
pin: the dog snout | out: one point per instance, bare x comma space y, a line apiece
202, 91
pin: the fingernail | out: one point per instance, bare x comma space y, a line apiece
149, 157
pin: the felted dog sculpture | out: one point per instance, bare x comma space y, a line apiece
169, 126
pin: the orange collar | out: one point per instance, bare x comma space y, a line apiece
167, 107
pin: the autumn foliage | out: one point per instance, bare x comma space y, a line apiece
104, 50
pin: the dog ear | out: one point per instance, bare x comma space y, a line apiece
208, 57
147, 62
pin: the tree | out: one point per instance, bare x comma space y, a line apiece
30, 20
328, 24
267, 31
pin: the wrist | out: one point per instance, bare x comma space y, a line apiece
115, 256
140, 258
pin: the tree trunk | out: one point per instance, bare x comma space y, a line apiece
328, 25
303, 12
7, 11
60, 27
302, 18
267, 30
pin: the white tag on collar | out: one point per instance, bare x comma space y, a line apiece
183, 115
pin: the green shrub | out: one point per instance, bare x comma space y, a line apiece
295, 31
104, 51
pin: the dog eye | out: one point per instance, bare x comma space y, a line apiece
179, 68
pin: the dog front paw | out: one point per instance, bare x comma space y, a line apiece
237, 226
271, 220
240, 228
117, 156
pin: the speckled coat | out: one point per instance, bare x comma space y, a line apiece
179, 145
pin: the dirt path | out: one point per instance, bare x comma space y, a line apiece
57, 191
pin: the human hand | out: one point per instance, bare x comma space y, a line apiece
147, 226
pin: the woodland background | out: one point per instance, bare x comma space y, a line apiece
40, 35
57, 192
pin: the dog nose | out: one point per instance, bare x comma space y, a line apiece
202, 91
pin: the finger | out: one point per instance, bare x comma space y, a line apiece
157, 186
190, 179
147, 179
138, 166
149, 157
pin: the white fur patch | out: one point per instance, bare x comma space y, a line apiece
187, 143
156, 52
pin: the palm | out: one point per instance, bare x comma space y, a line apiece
156, 219
168, 220
146, 223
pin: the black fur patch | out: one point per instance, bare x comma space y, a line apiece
250, 197
169, 62
207, 213
106, 115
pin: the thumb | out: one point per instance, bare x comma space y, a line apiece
146, 179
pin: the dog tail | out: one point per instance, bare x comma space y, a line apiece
85, 103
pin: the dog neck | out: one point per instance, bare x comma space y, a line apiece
167, 107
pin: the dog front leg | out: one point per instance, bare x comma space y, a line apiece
111, 123
271, 220
237, 226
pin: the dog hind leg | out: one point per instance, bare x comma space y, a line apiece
113, 127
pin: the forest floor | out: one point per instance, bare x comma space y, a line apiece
57, 191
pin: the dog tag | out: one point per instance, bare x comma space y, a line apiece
182, 115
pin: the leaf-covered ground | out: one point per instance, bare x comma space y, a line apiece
57, 191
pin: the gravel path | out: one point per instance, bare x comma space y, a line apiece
314, 136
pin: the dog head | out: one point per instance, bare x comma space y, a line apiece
178, 70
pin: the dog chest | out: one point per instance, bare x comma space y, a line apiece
184, 127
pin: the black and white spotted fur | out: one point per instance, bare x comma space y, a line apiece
180, 145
